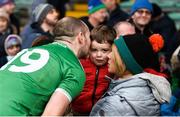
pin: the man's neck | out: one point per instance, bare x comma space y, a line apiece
70, 45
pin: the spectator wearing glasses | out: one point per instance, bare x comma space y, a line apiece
12, 46
140, 16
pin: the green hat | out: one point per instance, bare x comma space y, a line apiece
95, 5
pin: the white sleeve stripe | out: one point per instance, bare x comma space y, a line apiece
65, 93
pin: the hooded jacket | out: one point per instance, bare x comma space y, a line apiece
95, 86
139, 95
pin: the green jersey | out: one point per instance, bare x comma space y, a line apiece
29, 79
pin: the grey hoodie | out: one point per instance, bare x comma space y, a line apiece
139, 95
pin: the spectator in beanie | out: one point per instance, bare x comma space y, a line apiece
173, 108
116, 14
27, 27
45, 18
12, 46
9, 6
140, 16
4, 30
97, 14
133, 92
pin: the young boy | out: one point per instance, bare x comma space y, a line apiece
95, 67
12, 46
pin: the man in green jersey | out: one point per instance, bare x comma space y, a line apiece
44, 79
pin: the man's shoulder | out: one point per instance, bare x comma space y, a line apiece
61, 50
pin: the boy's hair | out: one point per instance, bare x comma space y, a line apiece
103, 34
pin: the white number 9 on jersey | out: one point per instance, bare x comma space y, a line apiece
31, 65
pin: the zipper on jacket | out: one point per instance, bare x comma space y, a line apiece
95, 86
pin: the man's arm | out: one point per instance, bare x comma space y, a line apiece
57, 104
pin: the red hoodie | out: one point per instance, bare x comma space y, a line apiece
95, 86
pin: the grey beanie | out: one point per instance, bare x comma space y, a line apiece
40, 12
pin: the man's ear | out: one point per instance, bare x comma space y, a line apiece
80, 37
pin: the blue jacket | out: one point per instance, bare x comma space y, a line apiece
33, 31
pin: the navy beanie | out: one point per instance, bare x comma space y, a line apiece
137, 53
4, 2
40, 12
139, 4
95, 5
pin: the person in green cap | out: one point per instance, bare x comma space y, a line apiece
97, 14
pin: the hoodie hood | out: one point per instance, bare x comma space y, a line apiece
161, 88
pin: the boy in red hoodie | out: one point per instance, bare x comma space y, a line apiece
95, 67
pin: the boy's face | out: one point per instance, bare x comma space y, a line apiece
98, 53
3, 24
13, 50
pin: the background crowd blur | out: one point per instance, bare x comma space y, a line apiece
24, 24
78, 8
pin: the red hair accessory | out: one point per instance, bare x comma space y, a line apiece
156, 41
